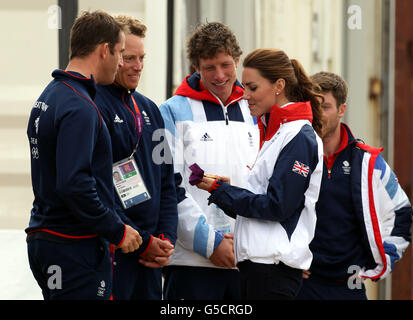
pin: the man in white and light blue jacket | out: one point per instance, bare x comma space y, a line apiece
210, 124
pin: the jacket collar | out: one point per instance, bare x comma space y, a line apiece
192, 87
347, 138
349, 134
271, 122
118, 90
88, 83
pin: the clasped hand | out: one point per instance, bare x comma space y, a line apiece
158, 254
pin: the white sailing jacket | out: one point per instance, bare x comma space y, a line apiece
222, 140
379, 231
383, 208
275, 216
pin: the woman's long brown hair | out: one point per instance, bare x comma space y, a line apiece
274, 64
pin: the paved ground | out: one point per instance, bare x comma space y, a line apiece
16, 279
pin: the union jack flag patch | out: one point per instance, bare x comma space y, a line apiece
301, 169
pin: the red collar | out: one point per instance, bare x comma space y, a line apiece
203, 94
329, 160
279, 116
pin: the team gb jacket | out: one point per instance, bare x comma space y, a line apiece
222, 138
275, 215
71, 163
382, 208
158, 215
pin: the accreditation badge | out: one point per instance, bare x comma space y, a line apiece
129, 184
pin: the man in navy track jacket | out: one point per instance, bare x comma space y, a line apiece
73, 217
134, 121
364, 217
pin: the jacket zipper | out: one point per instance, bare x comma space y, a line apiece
329, 169
224, 108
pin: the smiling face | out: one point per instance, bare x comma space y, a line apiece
129, 74
259, 92
218, 74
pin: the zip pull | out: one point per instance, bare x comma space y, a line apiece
224, 108
329, 173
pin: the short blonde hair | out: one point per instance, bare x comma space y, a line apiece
131, 25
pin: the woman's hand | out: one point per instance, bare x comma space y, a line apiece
207, 182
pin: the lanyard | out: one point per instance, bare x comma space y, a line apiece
139, 126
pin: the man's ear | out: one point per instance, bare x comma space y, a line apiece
194, 67
104, 49
236, 62
342, 110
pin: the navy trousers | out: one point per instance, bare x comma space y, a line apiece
199, 283
134, 281
71, 270
317, 288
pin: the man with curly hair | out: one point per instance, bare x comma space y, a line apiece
209, 124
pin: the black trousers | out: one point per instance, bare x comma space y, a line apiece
269, 281
200, 283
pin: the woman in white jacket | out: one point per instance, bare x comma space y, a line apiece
275, 215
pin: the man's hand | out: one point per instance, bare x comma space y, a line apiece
306, 274
157, 254
132, 240
223, 255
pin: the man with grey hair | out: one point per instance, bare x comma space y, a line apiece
133, 120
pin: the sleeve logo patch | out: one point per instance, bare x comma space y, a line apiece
301, 169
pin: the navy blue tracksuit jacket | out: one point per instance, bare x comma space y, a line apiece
73, 216
157, 216
71, 163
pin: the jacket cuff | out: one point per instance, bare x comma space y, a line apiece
147, 246
162, 237
215, 190
218, 239
123, 237
222, 198
217, 183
